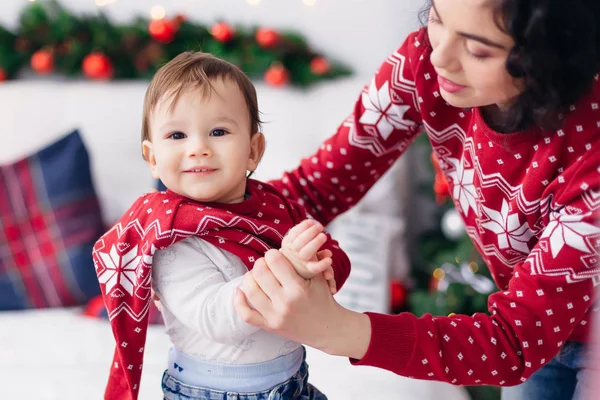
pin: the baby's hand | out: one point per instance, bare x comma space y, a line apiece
301, 247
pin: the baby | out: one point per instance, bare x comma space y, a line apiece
194, 242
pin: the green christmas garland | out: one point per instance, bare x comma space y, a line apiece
50, 39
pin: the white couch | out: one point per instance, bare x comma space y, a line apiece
58, 354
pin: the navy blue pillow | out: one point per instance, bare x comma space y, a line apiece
50, 219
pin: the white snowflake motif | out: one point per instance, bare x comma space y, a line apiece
567, 229
464, 189
506, 225
120, 270
381, 112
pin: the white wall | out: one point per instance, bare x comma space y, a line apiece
34, 112
358, 32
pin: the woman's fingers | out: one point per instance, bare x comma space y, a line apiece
245, 311
282, 270
265, 279
260, 300
328, 274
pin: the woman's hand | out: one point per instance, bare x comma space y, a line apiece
300, 310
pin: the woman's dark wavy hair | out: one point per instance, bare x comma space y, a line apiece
556, 54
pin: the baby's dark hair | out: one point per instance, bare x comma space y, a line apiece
556, 55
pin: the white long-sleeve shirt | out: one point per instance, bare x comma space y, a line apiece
196, 283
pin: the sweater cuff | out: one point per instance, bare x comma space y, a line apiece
393, 339
340, 278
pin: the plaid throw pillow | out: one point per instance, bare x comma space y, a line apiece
49, 221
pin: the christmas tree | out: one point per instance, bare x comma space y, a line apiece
448, 276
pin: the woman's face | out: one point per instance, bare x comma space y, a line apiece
469, 54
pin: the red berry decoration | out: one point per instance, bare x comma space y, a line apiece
267, 38
97, 66
320, 66
42, 62
222, 32
162, 30
177, 21
277, 75
3, 75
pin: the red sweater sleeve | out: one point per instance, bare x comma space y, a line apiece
529, 321
383, 123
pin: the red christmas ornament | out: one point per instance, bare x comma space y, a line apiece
320, 66
222, 32
42, 62
440, 188
162, 30
97, 66
440, 185
277, 75
397, 294
267, 38
433, 284
3, 75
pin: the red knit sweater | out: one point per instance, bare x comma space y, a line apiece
530, 201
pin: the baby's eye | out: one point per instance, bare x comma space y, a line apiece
177, 135
218, 132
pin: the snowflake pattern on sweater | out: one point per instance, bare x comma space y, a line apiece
530, 201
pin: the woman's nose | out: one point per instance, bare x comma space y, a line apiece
443, 56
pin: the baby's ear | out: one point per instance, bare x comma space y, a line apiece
148, 152
257, 149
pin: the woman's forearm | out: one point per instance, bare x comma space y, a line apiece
350, 334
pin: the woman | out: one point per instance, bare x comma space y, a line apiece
508, 93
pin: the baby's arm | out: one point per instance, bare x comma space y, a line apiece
192, 288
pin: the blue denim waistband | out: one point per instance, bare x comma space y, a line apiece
242, 378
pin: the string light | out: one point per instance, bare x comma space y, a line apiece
309, 2
439, 274
473, 267
157, 12
253, 2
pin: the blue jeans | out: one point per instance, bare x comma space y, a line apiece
563, 378
295, 388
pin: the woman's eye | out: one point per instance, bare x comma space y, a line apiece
177, 135
478, 55
433, 18
218, 132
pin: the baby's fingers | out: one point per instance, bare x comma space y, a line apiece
297, 230
319, 267
309, 250
332, 286
324, 254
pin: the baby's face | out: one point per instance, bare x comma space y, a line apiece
201, 147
